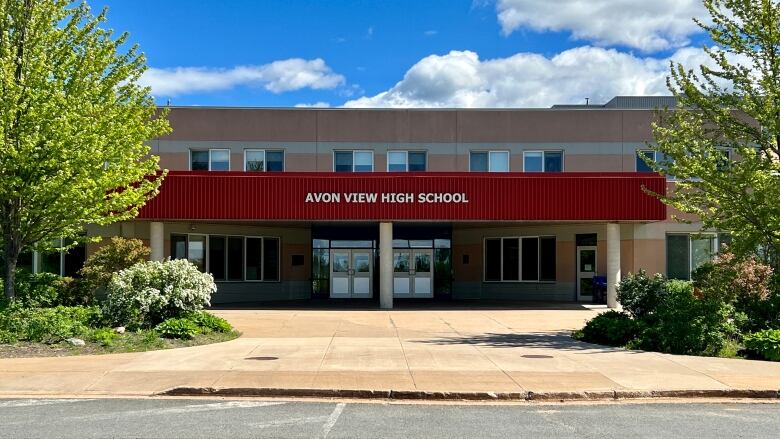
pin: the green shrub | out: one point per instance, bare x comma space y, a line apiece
150, 292
611, 328
117, 255
208, 322
640, 294
182, 328
103, 336
765, 344
47, 325
687, 324
37, 290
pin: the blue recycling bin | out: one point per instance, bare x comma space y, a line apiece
599, 289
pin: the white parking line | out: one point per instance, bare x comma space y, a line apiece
192, 408
289, 421
35, 402
332, 419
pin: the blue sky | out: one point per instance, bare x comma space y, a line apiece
404, 53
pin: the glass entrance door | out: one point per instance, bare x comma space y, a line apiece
586, 269
350, 273
413, 273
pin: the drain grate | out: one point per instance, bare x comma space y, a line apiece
536, 356
262, 358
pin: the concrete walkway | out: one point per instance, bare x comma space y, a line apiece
460, 350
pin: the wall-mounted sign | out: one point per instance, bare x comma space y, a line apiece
386, 197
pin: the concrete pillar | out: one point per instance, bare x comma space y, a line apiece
386, 265
613, 263
157, 241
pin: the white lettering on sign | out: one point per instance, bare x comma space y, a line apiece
387, 197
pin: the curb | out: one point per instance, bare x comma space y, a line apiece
421, 395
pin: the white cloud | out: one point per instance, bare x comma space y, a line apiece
276, 77
648, 25
460, 79
320, 104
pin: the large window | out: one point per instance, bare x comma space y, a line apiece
403, 161
520, 259
543, 161
260, 160
210, 160
353, 161
489, 161
230, 258
685, 252
64, 263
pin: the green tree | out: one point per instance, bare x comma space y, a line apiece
74, 122
731, 102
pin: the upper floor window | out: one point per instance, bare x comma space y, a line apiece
210, 160
641, 155
489, 161
725, 161
259, 160
403, 161
543, 161
353, 161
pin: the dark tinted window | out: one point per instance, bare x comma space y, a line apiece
492, 259
479, 162
217, 257
199, 160
641, 166
254, 258
586, 239
553, 161
417, 161
178, 247
274, 161
511, 259
235, 257
342, 161
270, 259
547, 258
678, 261
530, 261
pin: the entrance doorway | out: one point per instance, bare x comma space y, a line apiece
586, 269
351, 274
413, 273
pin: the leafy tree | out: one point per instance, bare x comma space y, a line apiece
733, 101
73, 124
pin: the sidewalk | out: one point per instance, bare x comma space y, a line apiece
478, 350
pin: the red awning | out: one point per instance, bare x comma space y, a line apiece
428, 196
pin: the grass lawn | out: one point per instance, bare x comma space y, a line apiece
128, 342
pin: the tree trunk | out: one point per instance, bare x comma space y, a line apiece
10, 257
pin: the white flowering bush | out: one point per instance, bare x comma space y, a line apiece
149, 292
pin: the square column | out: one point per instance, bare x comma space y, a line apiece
156, 241
386, 265
613, 263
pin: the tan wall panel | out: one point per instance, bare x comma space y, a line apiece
471, 271
626, 257
301, 272
175, 161
593, 163
637, 125
242, 124
566, 265
446, 163
650, 255
301, 162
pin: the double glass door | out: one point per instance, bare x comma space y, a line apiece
350, 273
413, 273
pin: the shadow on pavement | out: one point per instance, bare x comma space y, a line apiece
561, 340
401, 304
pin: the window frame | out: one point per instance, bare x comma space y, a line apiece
691, 237
519, 259
544, 152
489, 162
353, 151
636, 158
207, 258
265, 158
190, 151
406, 159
